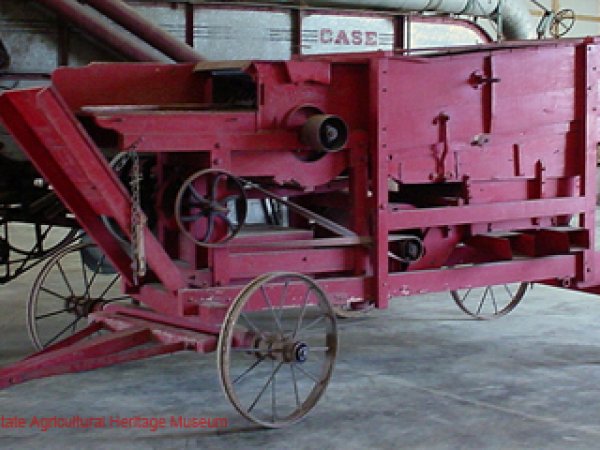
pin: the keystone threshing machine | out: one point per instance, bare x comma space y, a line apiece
377, 176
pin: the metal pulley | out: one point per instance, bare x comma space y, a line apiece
325, 133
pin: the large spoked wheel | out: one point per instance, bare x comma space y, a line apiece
490, 302
275, 363
562, 22
211, 207
23, 246
68, 288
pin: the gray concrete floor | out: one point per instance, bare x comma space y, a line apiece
419, 375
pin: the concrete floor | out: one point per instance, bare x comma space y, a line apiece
419, 375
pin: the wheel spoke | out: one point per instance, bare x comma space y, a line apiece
63, 331
51, 292
301, 317
494, 300
510, 294
295, 385
466, 295
482, 299
262, 391
64, 276
50, 314
248, 370
251, 324
311, 324
209, 228
198, 196
308, 374
270, 304
215, 186
84, 274
110, 285
94, 274
282, 299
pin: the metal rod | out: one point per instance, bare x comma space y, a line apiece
149, 32
101, 30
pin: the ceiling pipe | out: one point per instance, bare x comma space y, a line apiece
131, 20
513, 15
101, 30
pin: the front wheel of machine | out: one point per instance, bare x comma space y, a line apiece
277, 348
75, 281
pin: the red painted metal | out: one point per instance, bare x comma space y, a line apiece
130, 338
486, 155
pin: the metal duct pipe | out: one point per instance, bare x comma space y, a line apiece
101, 30
130, 19
515, 16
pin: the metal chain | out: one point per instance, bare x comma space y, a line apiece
138, 218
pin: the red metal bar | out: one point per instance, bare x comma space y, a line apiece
380, 140
81, 176
130, 338
538, 269
102, 31
484, 213
131, 20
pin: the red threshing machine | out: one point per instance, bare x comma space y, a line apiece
375, 176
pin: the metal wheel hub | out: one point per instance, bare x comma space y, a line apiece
280, 348
81, 306
300, 352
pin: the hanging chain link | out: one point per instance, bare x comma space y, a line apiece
138, 218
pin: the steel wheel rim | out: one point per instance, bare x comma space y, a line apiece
489, 305
71, 302
254, 411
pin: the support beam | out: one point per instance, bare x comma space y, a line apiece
131, 20
101, 30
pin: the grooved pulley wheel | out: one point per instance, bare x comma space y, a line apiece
211, 207
275, 362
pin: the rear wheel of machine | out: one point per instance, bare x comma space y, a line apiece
67, 289
275, 363
490, 302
